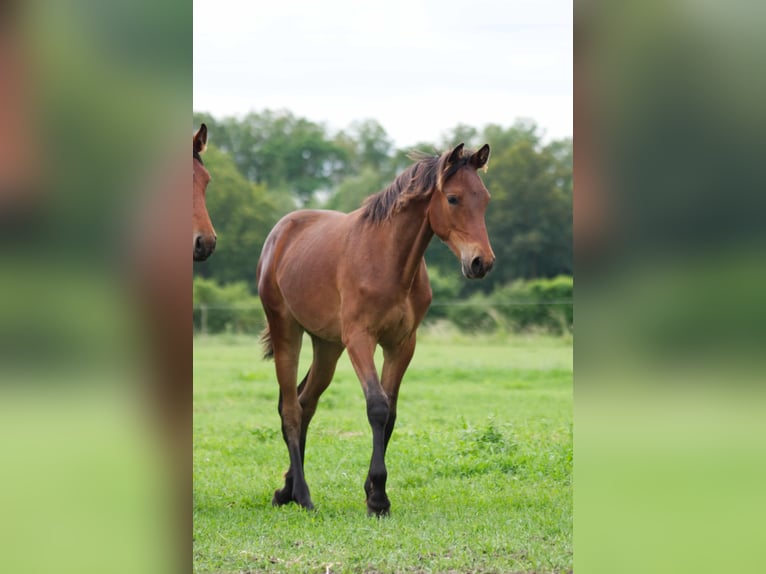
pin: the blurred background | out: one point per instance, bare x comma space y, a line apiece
669, 409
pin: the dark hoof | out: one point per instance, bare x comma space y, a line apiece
378, 508
280, 498
372, 511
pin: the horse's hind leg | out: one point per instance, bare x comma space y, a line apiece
286, 337
315, 382
326, 355
285, 495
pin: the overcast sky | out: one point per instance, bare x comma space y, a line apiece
419, 67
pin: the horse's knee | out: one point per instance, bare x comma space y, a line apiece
377, 410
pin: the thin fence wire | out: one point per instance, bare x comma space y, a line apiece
248, 317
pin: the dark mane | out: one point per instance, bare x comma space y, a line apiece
197, 156
417, 181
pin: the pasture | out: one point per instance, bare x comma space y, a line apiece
479, 465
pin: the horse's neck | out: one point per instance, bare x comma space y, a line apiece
412, 233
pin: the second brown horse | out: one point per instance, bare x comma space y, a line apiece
203, 234
354, 281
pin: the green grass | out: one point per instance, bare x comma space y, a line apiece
479, 465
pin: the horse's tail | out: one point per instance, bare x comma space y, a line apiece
268, 347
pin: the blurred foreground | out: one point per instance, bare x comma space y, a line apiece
94, 104
669, 366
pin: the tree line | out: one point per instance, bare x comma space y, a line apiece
268, 163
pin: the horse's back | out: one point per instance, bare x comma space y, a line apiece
301, 235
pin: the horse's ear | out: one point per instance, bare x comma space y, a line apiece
200, 139
479, 159
455, 154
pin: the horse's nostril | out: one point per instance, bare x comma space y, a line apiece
477, 265
198, 243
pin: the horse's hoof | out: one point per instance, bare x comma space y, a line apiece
280, 498
378, 513
382, 509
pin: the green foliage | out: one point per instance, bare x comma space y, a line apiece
225, 308
444, 289
529, 219
352, 192
368, 146
542, 304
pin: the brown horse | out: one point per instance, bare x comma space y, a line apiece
357, 280
202, 228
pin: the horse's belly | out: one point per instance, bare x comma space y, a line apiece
315, 308
328, 330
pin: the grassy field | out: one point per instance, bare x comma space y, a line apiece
479, 465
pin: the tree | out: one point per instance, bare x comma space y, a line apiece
530, 215
350, 194
281, 151
461, 133
372, 147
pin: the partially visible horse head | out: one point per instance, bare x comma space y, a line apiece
457, 206
202, 228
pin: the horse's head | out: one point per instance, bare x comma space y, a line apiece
202, 228
456, 211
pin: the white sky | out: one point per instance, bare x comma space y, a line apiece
419, 67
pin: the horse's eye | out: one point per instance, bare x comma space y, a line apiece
452, 200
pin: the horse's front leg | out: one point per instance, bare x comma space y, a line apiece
396, 359
361, 348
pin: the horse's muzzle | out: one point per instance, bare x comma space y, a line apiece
204, 245
477, 268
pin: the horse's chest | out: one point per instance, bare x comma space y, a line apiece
392, 315
397, 322
400, 314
